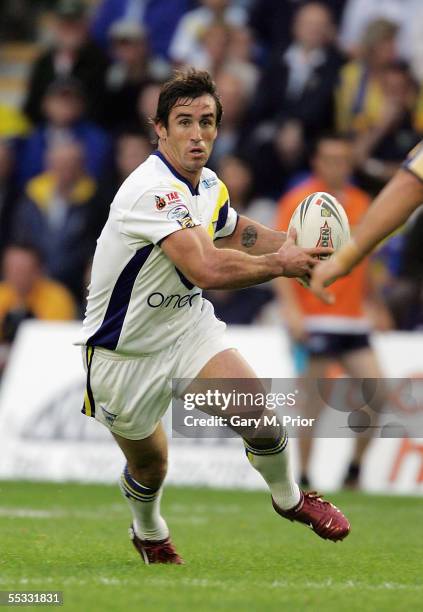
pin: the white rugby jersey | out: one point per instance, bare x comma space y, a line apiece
138, 301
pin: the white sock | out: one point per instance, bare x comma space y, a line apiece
145, 507
275, 467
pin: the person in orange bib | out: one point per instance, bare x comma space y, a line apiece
339, 332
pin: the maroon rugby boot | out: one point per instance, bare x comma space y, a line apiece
321, 516
160, 551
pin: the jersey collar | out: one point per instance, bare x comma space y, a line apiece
194, 191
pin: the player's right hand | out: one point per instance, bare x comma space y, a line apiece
298, 261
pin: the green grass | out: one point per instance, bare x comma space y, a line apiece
239, 554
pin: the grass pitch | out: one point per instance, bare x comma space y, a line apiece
239, 554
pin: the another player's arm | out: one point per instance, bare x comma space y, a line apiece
401, 196
392, 207
193, 252
253, 238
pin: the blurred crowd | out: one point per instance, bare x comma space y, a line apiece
296, 79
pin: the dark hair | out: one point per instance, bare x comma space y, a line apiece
401, 67
331, 137
186, 86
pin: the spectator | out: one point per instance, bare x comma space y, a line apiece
8, 192
300, 82
339, 331
159, 17
271, 20
332, 167
213, 48
186, 46
358, 14
26, 293
229, 49
132, 149
240, 58
234, 96
238, 177
72, 54
278, 157
359, 96
146, 108
64, 120
132, 68
381, 148
54, 215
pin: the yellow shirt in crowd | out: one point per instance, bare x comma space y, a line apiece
12, 122
48, 301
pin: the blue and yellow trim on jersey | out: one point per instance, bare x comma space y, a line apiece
221, 210
134, 490
89, 405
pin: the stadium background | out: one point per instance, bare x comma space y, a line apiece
78, 82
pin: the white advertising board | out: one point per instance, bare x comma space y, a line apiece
43, 434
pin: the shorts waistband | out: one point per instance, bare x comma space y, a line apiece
116, 356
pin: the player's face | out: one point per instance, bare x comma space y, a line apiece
190, 134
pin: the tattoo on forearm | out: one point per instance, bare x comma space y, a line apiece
249, 236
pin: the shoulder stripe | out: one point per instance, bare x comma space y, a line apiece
223, 216
222, 201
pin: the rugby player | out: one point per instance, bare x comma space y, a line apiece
391, 208
171, 232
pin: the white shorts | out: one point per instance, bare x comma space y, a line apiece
129, 395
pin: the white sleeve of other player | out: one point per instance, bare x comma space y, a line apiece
157, 214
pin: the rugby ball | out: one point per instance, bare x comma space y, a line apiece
320, 221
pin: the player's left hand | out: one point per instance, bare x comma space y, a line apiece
323, 275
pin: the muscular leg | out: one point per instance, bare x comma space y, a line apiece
146, 459
141, 482
230, 364
267, 451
